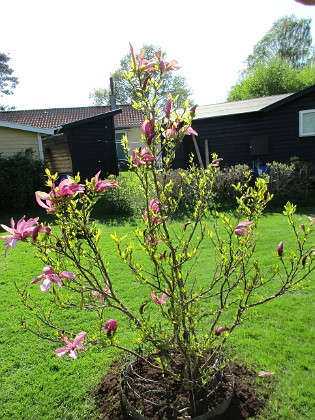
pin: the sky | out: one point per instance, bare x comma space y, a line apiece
62, 50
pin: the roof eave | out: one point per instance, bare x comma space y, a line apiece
90, 119
24, 127
291, 97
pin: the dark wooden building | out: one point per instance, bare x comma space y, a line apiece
86, 146
255, 131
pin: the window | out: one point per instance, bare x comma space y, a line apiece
121, 155
307, 123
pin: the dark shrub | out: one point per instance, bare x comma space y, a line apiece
291, 181
20, 176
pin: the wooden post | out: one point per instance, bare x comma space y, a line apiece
207, 153
197, 151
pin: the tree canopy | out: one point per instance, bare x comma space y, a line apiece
281, 62
272, 78
289, 38
7, 81
125, 92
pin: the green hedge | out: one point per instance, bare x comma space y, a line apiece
20, 176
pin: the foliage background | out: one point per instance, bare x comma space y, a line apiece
20, 176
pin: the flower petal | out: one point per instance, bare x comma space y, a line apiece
61, 351
79, 337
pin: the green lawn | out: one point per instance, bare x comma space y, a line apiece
35, 384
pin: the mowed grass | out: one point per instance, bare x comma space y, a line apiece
35, 384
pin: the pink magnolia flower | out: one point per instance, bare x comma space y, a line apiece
148, 130
153, 240
154, 209
176, 128
190, 130
165, 65
167, 109
67, 187
141, 156
185, 225
310, 253
40, 228
141, 64
110, 327
242, 228
49, 276
48, 204
193, 111
162, 256
220, 330
280, 249
154, 206
159, 300
264, 373
23, 229
72, 347
102, 185
146, 81
171, 131
312, 219
100, 296
216, 162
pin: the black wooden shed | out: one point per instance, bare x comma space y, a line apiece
86, 146
255, 131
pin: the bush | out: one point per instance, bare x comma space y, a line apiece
286, 182
20, 176
227, 177
222, 189
122, 201
294, 180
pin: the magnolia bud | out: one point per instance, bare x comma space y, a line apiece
280, 249
220, 330
193, 110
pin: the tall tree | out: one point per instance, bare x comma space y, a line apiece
272, 78
125, 92
7, 81
289, 38
281, 62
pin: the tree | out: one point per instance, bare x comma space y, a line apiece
289, 38
273, 78
281, 62
7, 81
125, 91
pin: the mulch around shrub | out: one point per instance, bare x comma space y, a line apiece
249, 398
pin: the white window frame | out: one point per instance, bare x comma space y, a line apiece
301, 121
123, 132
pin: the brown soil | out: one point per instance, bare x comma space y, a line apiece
249, 396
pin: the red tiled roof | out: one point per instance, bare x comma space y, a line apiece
55, 117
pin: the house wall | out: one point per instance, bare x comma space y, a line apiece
283, 129
133, 134
228, 137
92, 148
13, 141
253, 138
134, 137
